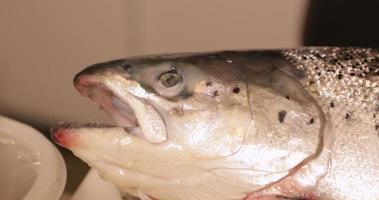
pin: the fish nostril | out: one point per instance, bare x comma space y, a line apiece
125, 66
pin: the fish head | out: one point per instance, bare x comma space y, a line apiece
192, 126
171, 112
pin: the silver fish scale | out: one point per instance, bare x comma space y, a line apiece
344, 75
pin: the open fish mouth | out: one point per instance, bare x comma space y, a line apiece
132, 113
120, 111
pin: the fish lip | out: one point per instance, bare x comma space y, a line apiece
62, 134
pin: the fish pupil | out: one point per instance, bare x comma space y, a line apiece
170, 79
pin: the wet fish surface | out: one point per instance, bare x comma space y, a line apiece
298, 124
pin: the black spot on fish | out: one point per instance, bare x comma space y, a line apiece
288, 97
177, 111
216, 93
347, 116
236, 90
333, 61
376, 126
311, 82
332, 104
311, 121
208, 84
339, 76
281, 115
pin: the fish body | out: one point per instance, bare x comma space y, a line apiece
255, 125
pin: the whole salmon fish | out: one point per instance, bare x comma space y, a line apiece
298, 124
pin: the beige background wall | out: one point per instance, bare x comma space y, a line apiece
43, 43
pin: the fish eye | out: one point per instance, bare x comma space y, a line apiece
170, 78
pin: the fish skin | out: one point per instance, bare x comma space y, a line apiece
345, 83
329, 131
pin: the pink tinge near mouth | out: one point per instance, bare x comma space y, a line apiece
68, 134
62, 135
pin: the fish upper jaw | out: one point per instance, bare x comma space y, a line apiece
124, 100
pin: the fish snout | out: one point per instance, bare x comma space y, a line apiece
91, 74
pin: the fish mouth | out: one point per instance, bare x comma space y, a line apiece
120, 111
133, 113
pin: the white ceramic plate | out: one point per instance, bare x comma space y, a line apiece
31, 167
